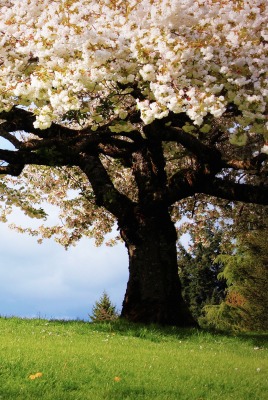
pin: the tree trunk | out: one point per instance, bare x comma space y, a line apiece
153, 292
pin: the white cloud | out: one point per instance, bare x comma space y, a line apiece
49, 281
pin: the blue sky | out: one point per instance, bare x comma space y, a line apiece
44, 280
48, 281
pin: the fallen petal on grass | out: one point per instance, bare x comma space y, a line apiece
34, 376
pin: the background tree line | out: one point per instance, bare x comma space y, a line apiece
224, 270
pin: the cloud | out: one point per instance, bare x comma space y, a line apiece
49, 281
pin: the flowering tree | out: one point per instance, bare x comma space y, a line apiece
138, 104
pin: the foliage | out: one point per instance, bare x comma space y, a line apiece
103, 310
199, 271
122, 361
222, 317
246, 274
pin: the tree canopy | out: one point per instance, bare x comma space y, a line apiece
100, 63
139, 105
106, 59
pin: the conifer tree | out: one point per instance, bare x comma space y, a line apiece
246, 274
103, 310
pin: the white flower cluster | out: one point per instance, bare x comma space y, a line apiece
192, 56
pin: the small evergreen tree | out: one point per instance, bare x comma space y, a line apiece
103, 310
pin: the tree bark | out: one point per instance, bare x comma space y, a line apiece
153, 292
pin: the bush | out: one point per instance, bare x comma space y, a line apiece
103, 310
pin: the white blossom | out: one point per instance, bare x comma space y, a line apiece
264, 149
192, 56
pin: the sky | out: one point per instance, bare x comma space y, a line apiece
46, 281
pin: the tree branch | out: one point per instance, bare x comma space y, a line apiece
182, 185
247, 165
14, 169
10, 156
106, 194
204, 153
19, 119
229, 190
11, 138
50, 155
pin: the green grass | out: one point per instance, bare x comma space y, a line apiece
120, 361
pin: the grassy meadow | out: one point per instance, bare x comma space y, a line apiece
57, 360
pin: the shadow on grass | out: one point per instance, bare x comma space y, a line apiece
157, 333
151, 332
